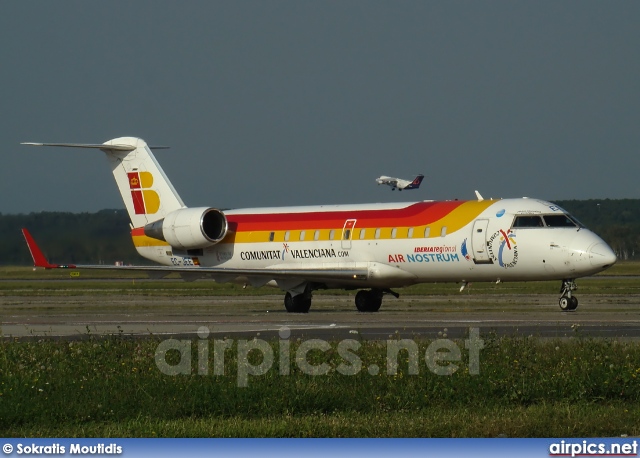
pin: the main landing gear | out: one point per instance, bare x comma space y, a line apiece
370, 301
366, 300
298, 304
567, 300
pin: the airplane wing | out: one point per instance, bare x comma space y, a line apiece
347, 272
389, 181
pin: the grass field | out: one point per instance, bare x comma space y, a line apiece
107, 388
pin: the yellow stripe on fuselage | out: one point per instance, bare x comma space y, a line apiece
140, 241
454, 221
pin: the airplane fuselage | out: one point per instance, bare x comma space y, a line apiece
401, 244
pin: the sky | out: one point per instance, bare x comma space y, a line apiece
275, 103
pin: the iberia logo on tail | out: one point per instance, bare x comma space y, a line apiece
145, 200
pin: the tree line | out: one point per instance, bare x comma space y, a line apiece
104, 237
86, 238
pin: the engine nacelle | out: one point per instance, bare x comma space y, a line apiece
190, 228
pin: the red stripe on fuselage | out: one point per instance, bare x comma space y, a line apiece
420, 213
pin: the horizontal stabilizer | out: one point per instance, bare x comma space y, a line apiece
93, 145
85, 145
146, 192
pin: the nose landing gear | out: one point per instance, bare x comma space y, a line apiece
567, 300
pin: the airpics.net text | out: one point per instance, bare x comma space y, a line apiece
256, 357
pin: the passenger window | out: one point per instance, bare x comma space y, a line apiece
427, 230
528, 221
286, 236
558, 221
347, 234
316, 235
272, 236
377, 234
332, 233
410, 233
394, 232
301, 235
443, 231
362, 234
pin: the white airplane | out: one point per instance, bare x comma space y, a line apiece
399, 183
371, 247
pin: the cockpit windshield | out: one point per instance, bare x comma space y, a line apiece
528, 221
537, 221
559, 221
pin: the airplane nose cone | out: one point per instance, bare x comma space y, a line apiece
601, 255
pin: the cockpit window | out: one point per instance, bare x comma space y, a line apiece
554, 220
560, 220
577, 221
527, 221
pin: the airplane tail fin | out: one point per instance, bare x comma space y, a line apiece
415, 184
146, 191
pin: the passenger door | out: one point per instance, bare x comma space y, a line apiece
479, 242
347, 233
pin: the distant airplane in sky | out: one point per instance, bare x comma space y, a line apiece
371, 248
399, 183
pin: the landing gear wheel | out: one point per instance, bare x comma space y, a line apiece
297, 304
565, 303
361, 300
288, 302
574, 303
368, 301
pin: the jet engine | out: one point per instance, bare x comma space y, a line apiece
190, 228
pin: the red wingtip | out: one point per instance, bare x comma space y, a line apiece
38, 258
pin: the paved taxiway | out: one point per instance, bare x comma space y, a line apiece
331, 317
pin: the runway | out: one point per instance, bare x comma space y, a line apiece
332, 317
